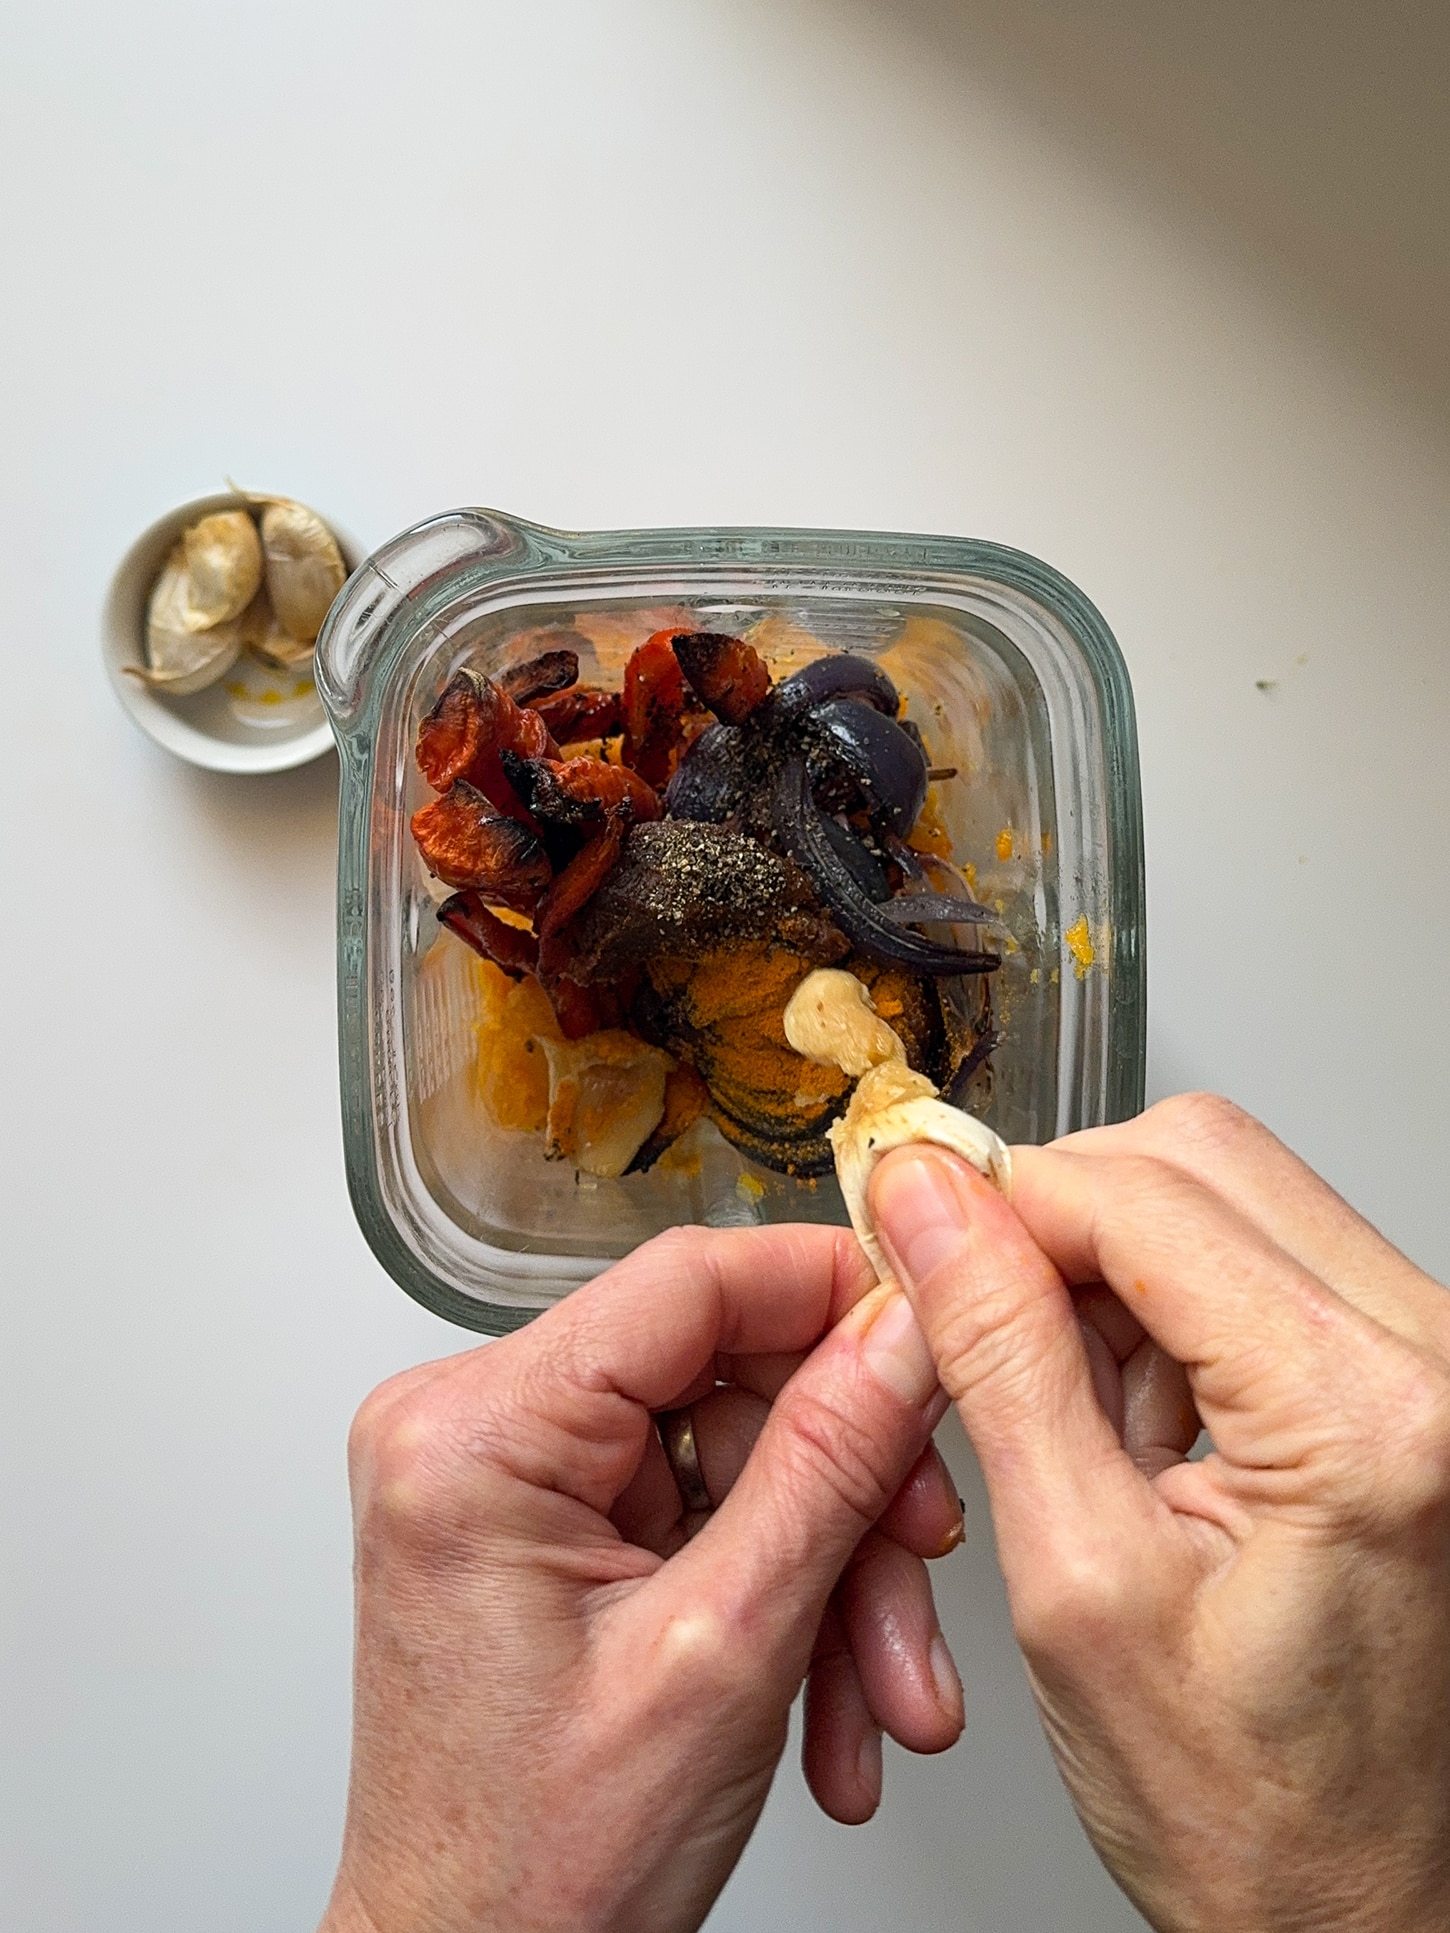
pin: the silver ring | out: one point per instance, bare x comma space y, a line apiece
677, 1438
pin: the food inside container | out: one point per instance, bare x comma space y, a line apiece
650, 872
608, 800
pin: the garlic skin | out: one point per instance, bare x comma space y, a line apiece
892, 1104
263, 635
606, 1098
183, 656
303, 565
224, 564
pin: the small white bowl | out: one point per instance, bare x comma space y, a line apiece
252, 720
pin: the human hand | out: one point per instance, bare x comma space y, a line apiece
1242, 1664
567, 1715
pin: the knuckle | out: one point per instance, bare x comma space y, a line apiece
987, 1340
1200, 1120
1143, 1203
370, 1426
1077, 1606
705, 1648
1411, 1463
414, 1491
973, 1329
834, 1453
1148, 1184
672, 1252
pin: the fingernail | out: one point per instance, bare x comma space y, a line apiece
944, 1677
920, 1216
955, 1536
896, 1352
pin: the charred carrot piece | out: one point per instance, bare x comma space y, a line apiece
573, 888
473, 723
576, 1008
584, 712
575, 791
535, 678
469, 844
454, 732
729, 675
654, 701
507, 946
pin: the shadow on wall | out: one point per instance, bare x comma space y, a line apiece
1315, 137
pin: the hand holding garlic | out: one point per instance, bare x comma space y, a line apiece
1243, 1661
830, 1020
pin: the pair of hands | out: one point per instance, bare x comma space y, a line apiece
568, 1715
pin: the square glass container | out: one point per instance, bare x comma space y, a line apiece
1012, 676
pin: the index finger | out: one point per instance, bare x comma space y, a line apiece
1209, 1285
569, 1397
1240, 1159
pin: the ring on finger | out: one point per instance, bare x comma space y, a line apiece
676, 1429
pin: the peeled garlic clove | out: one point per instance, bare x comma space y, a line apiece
606, 1098
892, 1104
224, 563
181, 658
830, 1019
304, 567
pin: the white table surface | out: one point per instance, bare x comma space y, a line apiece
628, 263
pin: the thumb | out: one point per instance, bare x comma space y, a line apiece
1005, 1338
840, 1440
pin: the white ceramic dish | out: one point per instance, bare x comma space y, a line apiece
252, 720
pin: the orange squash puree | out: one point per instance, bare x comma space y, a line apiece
929, 834
511, 1072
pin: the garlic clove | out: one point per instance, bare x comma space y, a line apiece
264, 636
892, 1104
183, 657
606, 1097
303, 565
891, 1107
224, 565
830, 1019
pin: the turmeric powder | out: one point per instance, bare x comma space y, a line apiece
721, 1013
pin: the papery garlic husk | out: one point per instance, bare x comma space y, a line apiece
606, 1098
224, 563
182, 657
264, 636
830, 1020
303, 566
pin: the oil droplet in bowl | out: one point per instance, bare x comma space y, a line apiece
273, 699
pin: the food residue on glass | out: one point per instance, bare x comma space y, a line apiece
1078, 942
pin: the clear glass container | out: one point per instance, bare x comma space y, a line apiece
1012, 676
